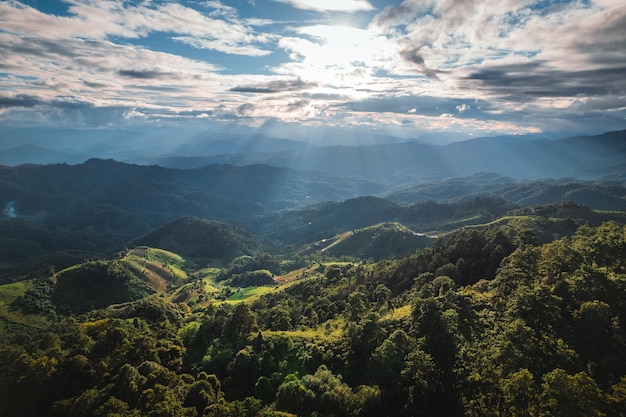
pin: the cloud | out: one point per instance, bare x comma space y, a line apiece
20, 100
540, 80
413, 56
511, 62
146, 74
499, 51
417, 104
276, 86
462, 108
90, 19
401, 14
330, 5
134, 114
217, 45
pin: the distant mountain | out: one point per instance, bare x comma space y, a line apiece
33, 154
589, 157
56, 214
326, 220
594, 194
76, 144
109, 194
381, 159
100, 205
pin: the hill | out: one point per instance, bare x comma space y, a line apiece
202, 241
600, 195
95, 285
325, 220
389, 240
487, 317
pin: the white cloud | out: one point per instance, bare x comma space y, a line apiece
134, 114
101, 72
462, 108
330, 5
513, 58
90, 19
221, 46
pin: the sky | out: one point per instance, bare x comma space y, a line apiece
403, 68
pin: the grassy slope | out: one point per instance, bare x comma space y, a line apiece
10, 318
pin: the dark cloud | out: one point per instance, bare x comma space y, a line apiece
297, 105
418, 105
43, 48
275, 87
246, 89
396, 15
21, 100
535, 80
160, 88
94, 85
412, 56
62, 102
245, 109
145, 74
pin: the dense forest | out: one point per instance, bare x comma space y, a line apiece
500, 320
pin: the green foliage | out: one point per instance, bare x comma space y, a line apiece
96, 284
252, 278
488, 322
385, 241
325, 394
203, 241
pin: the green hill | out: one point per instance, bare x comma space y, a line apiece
383, 241
324, 220
488, 316
202, 241
95, 285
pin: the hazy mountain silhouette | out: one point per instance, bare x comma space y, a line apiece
591, 157
387, 160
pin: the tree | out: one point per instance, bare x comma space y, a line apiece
325, 394
565, 395
557, 258
609, 246
520, 394
238, 326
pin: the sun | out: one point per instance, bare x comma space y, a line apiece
339, 56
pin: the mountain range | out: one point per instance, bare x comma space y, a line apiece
60, 211
388, 161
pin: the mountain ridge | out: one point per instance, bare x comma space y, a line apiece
391, 162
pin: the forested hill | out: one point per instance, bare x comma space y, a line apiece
62, 214
202, 240
128, 290
488, 322
215, 191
